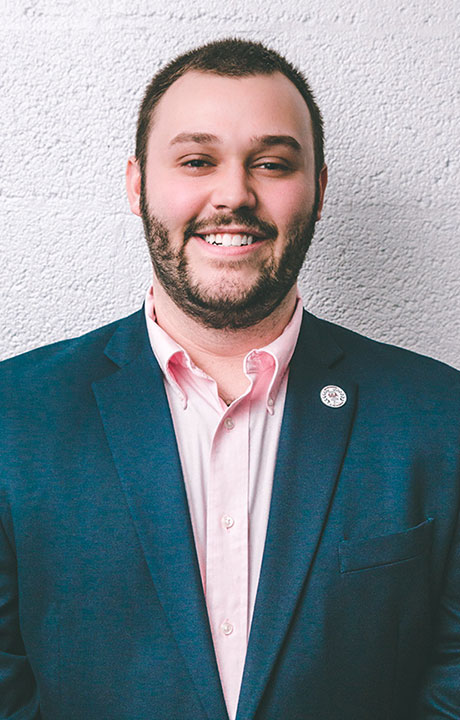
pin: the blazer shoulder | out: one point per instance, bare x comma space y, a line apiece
82, 355
377, 360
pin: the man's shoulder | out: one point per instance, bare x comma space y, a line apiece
81, 356
371, 360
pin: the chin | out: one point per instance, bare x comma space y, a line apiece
224, 289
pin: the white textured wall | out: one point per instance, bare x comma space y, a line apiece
385, 260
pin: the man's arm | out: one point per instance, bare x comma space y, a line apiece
18, 691
440, 695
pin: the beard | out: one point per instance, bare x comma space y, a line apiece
227, 305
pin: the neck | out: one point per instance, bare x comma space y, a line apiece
194, 337
220, 353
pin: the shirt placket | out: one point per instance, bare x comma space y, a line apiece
227, 549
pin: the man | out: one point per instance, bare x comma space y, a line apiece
222, 506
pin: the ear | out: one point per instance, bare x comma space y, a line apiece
133, 185
322, 182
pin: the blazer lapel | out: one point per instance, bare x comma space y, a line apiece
312, 446
137, 421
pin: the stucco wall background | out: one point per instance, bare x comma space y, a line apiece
385, 258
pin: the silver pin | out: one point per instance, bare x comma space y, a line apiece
333, 396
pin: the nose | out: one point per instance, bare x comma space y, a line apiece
233, 189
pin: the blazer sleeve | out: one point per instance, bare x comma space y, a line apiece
440, 697
18, 691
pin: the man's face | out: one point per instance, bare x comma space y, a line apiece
228, 197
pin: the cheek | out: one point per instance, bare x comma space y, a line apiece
291, 207
177, 203
290, 204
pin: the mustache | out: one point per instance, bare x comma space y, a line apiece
243, 218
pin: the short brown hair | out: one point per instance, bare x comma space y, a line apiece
232, 57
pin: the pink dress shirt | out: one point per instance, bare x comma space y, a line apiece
228, 456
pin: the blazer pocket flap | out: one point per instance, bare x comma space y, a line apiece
385, 549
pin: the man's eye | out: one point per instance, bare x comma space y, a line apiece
195, 163
271, 165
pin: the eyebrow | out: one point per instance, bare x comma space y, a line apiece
263, 140
196, 137
271, 140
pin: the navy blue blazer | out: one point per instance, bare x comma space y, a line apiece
102, 614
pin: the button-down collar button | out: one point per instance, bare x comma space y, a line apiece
229, 424
182, 397
270, 402
227, 628
251, 362
227, 521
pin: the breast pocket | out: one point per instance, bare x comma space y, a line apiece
373, 552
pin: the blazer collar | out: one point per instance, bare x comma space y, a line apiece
135, 413
316, 344
312, 445
129, 340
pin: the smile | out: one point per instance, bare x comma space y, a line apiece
227, 239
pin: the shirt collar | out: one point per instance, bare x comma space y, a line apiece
167, 352
164, 347
281, 349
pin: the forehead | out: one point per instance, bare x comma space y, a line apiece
232, 107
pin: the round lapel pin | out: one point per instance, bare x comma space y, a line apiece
333, 396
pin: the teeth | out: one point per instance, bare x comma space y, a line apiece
228, 240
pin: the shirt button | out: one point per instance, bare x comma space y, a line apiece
229, 424
227, 521
227, 628
270, 402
